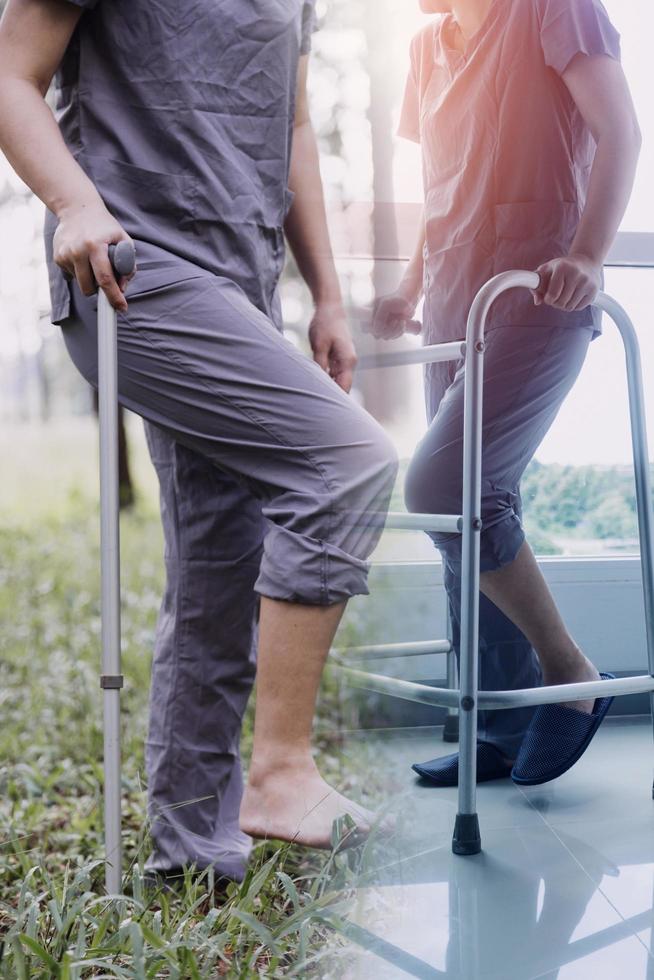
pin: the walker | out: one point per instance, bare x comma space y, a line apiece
467, 698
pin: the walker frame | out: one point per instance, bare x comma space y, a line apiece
467, 698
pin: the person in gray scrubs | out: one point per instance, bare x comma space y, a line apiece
184, 127
529, 143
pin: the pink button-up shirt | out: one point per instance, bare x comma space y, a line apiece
506, 154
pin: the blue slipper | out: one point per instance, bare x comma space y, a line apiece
444, 771
556, 738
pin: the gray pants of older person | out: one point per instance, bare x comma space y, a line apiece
528, 371
262, 461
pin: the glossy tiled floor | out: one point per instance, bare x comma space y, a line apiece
563, 887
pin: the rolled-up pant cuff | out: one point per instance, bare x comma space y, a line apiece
298, 568
499, 544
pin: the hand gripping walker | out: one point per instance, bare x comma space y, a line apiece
122, 257
467, 698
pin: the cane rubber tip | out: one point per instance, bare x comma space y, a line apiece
123, 258
466, 839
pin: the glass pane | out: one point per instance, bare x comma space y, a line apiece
588, 447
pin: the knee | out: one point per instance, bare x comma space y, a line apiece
415, 496
320, 555
431, 488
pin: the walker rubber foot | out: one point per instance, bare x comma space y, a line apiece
451, 729
466, 839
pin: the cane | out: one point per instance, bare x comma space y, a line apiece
122, 257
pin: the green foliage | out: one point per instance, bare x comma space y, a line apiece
579, 501
614, 517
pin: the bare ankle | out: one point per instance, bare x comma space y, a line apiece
272, 764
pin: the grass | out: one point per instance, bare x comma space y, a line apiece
56, 920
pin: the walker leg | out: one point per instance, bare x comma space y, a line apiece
451, 728
641, 471
467, 839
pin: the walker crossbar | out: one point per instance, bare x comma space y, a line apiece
487, 700
425, 522
421, 355
466, 838
389, 650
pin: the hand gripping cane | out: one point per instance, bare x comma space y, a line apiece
122, 257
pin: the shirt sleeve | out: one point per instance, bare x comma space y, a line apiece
571, 27
309, 25
409, 126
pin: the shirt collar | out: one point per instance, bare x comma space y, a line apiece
445, 28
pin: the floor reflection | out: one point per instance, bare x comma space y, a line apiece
562, 890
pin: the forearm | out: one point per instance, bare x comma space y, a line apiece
306, 224
609, 189
410, 287
34, 146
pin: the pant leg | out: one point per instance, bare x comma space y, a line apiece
197, 359
528, 372
204, 661
507, 661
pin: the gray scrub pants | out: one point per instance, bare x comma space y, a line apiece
262, 461
528, 371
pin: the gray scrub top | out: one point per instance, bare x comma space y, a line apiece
182, 116
506, 153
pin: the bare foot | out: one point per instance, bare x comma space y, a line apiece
575, 673
296, 804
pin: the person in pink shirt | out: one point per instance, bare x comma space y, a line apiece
530, 142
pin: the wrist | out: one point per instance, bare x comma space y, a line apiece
329, 301
587, 255
410, 289
80, 205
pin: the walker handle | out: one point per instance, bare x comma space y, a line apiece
123, 258
487, 295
